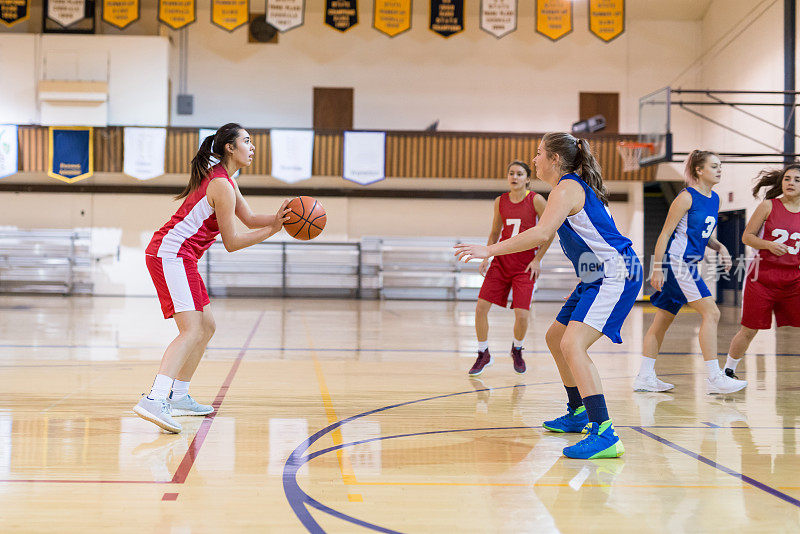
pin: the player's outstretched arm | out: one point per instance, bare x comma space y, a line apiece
246, 215
566, 196
222, 198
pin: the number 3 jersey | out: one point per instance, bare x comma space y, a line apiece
516, 217
691, 236
782, 226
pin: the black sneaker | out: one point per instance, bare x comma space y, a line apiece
519, 363
484, 360
730, 374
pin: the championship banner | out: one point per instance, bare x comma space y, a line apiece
66, 12
364, 157
447, 17
230, 14
607, 18
144, 152
391, 17
9, 150
499, 17
71, 153
341, 14
121, 13
285, 15
291, 152
13, 11
553, 18
177, 13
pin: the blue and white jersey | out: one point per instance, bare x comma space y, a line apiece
591, 241
688, 241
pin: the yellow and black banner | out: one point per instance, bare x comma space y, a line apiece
13, 11
392, 17
447, 17
230, 14
554, 18
341, 14
607, 18
71, 153
121, 13
177, 14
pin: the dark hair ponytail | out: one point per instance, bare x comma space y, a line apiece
576, 156
773, 180
212, 146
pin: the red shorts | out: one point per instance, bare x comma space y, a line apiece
178, 284
498, 283
774, 291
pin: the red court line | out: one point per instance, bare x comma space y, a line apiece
67, 481
194, 448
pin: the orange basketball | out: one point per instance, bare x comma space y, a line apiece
306, 219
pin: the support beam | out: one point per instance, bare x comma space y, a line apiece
789, 48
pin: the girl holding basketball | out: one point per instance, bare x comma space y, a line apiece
514, 212
772, 285
211, 201
610, 279
676, 277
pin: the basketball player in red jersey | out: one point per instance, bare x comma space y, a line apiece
211, 200
773, 279
514, 212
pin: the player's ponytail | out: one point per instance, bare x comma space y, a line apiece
773, 180
212, 146
696, 159
576, 156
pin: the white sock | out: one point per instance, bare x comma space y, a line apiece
648, 366
483, 345
179, 389
712, 366
731, 363
517, 343
161, 387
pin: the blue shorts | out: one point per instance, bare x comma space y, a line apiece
683, 283
605, 303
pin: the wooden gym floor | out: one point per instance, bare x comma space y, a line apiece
348, 416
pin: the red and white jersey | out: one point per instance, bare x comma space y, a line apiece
782, 226
516, 217
193, 228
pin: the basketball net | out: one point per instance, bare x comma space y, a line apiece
631, 152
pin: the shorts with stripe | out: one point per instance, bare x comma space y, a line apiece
683, 283
604, 304
178, 284
498, 283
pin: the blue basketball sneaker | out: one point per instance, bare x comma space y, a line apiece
573, 421
602, 441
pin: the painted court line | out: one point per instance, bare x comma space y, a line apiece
744, 478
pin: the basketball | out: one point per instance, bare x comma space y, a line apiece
306, 219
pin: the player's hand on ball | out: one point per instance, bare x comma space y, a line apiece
467, 252
657, 280
484, 267
535, 268
779, 249
281, 216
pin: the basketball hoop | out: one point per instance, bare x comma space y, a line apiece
633, 151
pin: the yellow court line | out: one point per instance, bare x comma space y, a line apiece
553, 485
345, 467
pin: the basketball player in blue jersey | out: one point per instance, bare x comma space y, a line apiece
676, 276
610, 280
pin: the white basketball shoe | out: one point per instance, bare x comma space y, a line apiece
158, 412
721, 384
650, 383
188, 406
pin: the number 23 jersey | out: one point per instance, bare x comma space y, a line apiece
689, 240
782, 226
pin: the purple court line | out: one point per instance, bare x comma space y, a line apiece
194, 448
744, 478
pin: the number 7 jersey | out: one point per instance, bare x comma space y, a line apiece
691, 236
517, 217
782, 226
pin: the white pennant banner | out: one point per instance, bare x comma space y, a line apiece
285, 14
499, 17
144, 152
291, 152
364, 157
66, 12
9, 149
